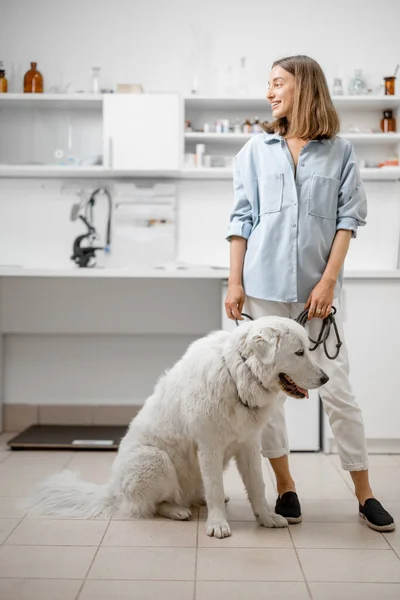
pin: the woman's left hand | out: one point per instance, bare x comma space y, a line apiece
320, 300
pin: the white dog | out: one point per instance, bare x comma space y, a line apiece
211, 406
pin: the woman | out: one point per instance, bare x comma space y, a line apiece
299, 199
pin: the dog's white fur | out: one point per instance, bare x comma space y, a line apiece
176, 448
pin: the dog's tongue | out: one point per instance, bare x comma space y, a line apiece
303, 391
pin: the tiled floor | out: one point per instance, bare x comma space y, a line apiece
331, 555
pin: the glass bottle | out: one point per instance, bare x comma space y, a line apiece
33, 81
337, 89
389, 85
357, 84
3, 80
388, 122
243, 87
95, 80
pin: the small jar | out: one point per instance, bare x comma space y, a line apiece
388, 123
3, 82
337, 87
389, 85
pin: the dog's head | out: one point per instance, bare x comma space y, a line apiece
282, 347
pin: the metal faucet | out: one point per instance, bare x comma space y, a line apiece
85, 256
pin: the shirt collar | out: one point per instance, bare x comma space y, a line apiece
276, 137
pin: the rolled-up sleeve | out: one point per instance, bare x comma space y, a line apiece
241, 221
352, 202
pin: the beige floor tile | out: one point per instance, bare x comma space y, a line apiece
393, 537
58, 459
385, 483
355, 591
10, 508
39, 589
322, 511
137, 590
312, 467
19, 481
4, 455
396, 457
6, 527
247, 535
237, 509
247, 564
337, 535
236, 590
36, 532
151, 533
176, 564
350, 565
45, 562
327, 490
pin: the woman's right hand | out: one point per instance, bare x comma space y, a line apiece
234, 301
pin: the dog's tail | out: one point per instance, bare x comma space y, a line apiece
67, 495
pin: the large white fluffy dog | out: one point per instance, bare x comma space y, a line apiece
211, 406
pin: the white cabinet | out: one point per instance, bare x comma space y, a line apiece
302, 416
142, 132
372, 329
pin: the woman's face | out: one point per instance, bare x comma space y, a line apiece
281, 92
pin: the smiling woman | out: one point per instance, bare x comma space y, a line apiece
299, 199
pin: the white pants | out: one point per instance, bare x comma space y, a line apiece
337, 396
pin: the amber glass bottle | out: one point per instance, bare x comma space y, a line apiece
33, 81
388, 123
3, 82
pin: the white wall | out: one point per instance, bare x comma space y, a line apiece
155, 42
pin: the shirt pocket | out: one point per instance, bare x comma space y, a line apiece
271, 192
323, 196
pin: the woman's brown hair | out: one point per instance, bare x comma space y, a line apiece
313, 116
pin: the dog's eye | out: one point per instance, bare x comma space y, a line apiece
299, 353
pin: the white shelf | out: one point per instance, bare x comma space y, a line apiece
63, 101
262, 105
380, 174
67, 171
387, 138
390, 138
207, 173
99, 172
219, 137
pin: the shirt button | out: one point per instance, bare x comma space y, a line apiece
295, 204
293, 224
302, 164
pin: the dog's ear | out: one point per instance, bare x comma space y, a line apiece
265, 344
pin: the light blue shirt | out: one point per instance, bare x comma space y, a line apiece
290, 219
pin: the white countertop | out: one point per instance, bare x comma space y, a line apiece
170, 272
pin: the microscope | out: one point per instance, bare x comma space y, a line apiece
84, 250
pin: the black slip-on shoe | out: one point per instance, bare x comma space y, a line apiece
376, 516
288, 506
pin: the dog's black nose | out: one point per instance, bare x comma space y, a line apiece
324, 378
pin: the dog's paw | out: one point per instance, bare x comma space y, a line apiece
180, 514
218, 529
272, 520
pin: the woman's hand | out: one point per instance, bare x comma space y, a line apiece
234, 301
320, 300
